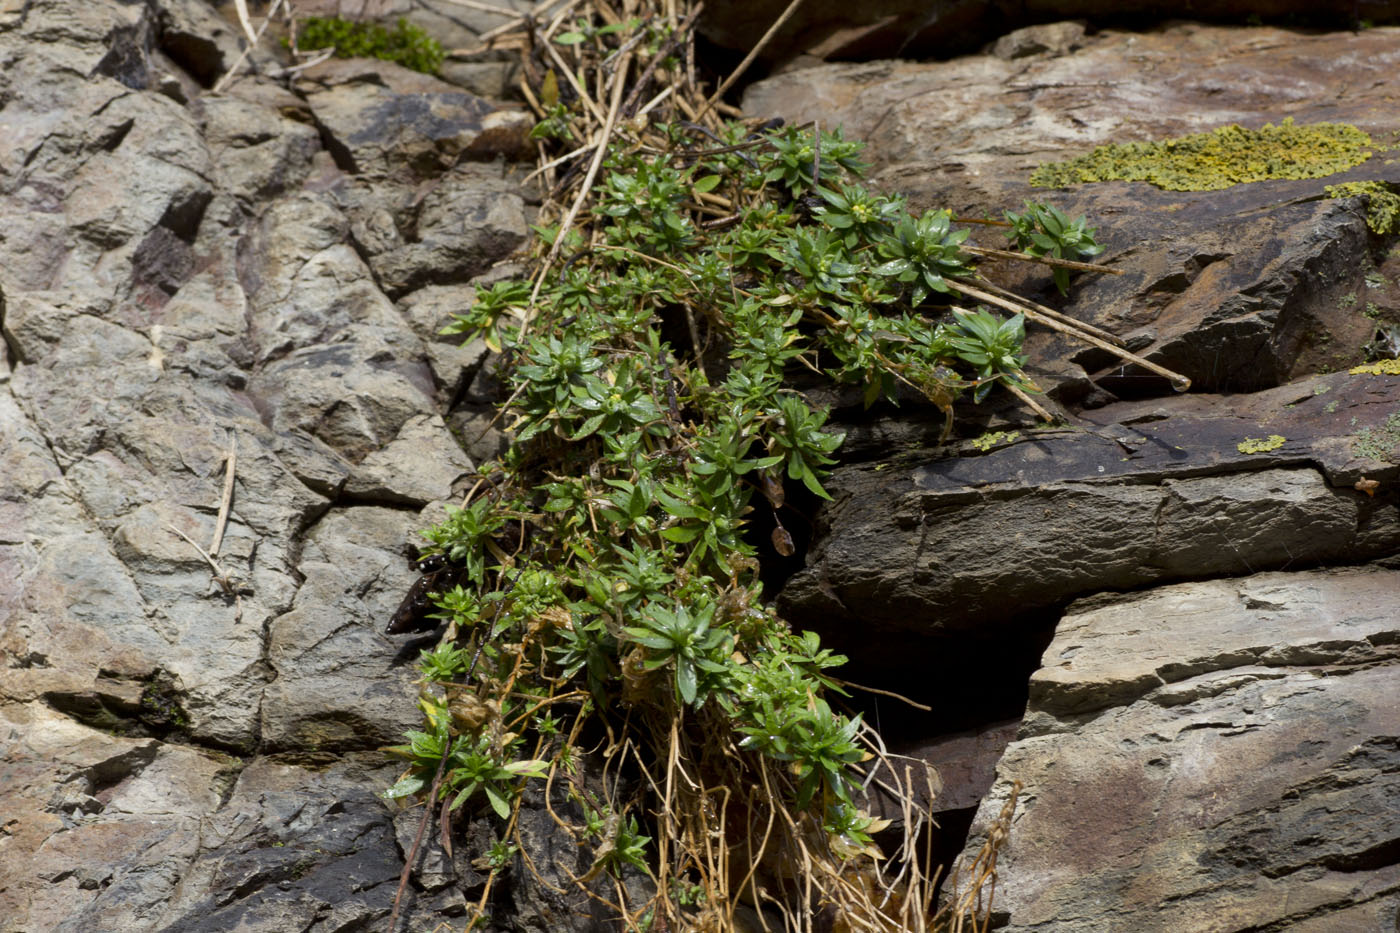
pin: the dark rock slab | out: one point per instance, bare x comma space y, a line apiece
298, 845
1158, 491
936, 28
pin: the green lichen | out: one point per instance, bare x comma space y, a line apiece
986, 442
405, 44
1227, 156
1379, 368
1330, 407
1379, 443
1254, 445
1382, 205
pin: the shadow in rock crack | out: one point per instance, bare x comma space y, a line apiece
974, 689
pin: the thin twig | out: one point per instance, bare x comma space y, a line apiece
583, 192
1057, 315
1043, 260
248, 49
1179, 382
227, 500
749, 59
1029, 402
866, 688
227, 582
574, 82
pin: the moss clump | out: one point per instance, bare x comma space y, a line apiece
1382, 205
1254, 445
991, 439
1380, 368
405, 44
1218, 159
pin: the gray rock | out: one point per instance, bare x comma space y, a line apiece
1052, 38
197, 39
176, 270
383, 120
423, 464
463, 224
454, 363
261, 138
108, 823
335, 684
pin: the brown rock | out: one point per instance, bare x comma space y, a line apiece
1207, 289
1216, 755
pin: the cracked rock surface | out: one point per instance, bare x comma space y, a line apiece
184, 274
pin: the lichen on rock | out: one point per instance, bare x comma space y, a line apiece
1378, 368
1382, 204
1254, 445
1220, 158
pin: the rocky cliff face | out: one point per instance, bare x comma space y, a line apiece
257, 276
189, 277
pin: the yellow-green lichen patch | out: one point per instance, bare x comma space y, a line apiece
1218, 159
986, 442
1254, 445
1378, 368
1382, 204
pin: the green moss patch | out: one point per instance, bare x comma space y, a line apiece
991, 439
405, 44
1227, 156
1382, 204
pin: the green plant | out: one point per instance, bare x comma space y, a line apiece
794, 157
608, 561
500, 854
922, 252
473, 763
992, 346
1047, 231
405, 44
631, 472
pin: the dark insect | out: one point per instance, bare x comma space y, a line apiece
415, 612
